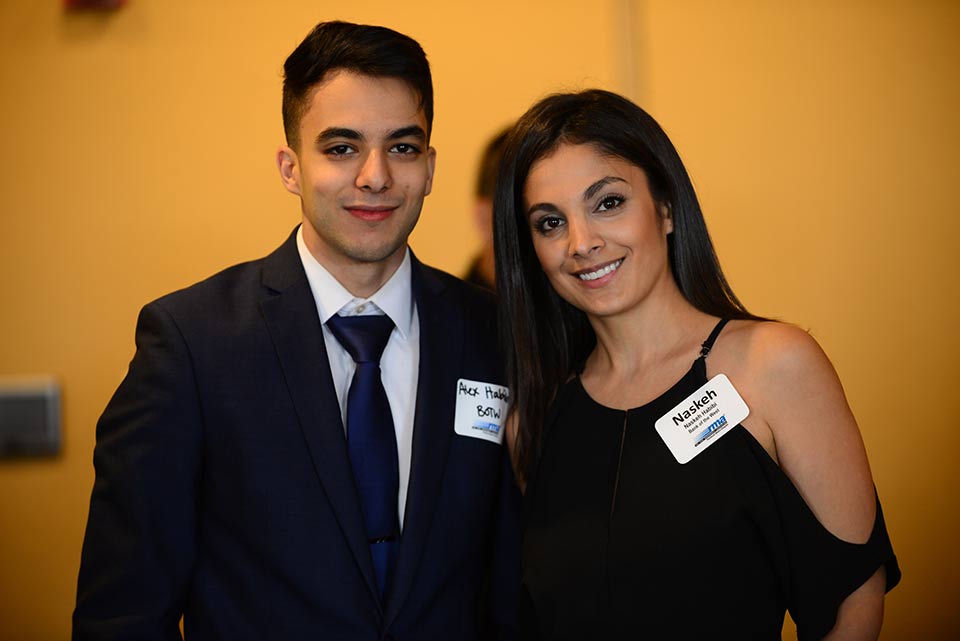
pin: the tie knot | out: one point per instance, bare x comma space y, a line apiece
364, 337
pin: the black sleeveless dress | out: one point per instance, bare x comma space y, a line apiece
623, 542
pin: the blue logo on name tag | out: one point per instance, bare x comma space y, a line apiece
492, 428
714, 427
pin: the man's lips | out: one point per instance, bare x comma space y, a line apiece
371, 213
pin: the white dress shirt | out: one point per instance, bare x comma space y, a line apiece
400, 362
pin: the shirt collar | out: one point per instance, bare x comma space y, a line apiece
394, 298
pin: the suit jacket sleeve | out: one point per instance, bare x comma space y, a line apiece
503, 582
140, 539
505, 568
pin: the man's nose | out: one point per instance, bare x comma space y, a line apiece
374, 174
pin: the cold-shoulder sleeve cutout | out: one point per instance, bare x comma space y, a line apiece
823, 568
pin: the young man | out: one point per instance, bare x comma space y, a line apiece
307, 446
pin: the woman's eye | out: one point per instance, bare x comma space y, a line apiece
548, 223
609, 202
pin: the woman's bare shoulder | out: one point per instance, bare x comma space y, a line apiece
771, 353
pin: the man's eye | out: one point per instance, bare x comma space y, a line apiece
405, 148
339, 150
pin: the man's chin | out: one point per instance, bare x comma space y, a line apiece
373, 254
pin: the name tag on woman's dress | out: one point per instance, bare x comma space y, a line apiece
702, 418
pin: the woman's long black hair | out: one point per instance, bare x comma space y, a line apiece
544, 339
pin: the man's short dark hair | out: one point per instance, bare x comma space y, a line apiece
363, 49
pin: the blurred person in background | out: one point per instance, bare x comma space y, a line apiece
481, 270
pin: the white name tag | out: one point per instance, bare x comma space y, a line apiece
702, 418
481, 410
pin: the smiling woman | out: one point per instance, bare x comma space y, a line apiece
610, 230
757, 500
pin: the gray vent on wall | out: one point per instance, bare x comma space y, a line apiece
29, 417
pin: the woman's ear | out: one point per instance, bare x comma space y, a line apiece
666, 215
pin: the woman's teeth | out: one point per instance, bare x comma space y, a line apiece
603, 271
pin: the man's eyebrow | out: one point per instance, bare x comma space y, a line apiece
413, 131
338, 132
592, 190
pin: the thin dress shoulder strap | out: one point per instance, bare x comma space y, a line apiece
712, 338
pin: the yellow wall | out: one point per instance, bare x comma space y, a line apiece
138, 157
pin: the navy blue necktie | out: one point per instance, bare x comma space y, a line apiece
371, 440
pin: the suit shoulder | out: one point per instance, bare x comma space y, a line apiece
242, 282
217, 285
473, 299
458, 285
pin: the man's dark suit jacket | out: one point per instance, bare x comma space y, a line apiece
224, 491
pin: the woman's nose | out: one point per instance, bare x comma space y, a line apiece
582, 237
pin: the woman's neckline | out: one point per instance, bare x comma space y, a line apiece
700, 360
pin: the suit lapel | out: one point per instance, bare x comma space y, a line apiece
290, 313
441, 347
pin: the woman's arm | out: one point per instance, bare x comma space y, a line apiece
797, 396
861, 613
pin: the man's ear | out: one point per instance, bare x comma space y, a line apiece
431, 166
289, 166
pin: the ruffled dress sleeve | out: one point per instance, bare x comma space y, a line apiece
823, 569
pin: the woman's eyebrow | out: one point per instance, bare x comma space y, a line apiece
592, 190
547, 207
